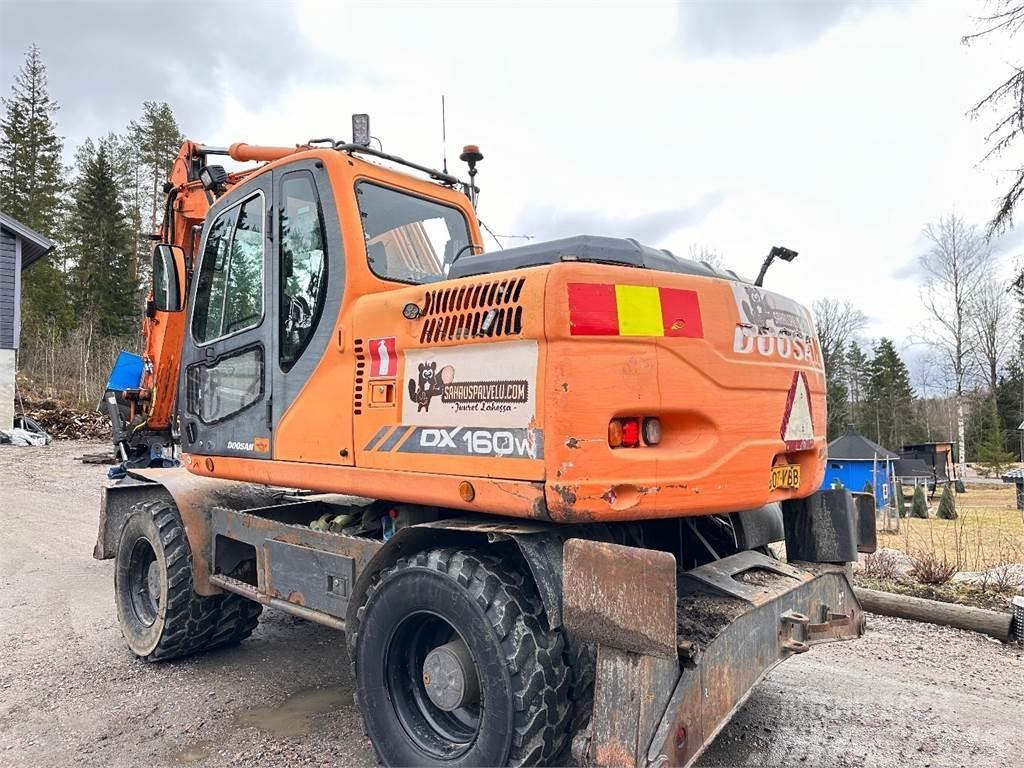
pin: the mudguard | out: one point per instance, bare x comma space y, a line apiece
678, 653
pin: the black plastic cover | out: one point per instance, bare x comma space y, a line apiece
822, 528
867, 534
594, 249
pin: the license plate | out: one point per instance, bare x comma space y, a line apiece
786, 476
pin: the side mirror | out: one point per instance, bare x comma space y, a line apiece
168, 278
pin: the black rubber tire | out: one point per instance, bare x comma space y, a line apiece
581, 658
524, 681
183, 622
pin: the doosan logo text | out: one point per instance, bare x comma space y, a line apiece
748, 339
237, 445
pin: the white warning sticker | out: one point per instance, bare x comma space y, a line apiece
797, 422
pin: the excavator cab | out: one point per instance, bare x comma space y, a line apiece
284, 259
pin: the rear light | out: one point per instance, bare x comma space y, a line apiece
615, 433
630, 433
634, 431
652, 431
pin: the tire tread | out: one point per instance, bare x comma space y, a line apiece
193, 623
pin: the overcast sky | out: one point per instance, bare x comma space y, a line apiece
834, 128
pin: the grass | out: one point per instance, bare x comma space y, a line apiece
988, 533
960, 594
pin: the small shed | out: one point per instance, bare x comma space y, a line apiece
939, 457
854, 461
20, 247
913, 472
1016, 476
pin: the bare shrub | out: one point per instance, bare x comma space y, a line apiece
72, 368
1008, 574
882, 564
932, 568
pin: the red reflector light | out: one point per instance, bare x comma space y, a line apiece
680, 736
630, 433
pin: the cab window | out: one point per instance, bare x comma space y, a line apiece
303, 264
410, 239
229, 290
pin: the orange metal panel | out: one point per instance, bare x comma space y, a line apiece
502, 497
721, 402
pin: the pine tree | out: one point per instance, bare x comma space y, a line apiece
155, 140
919, 506
901, 500
146, 154
32, 184
893, 418
990, 448
947, 505
856, 369
103, 286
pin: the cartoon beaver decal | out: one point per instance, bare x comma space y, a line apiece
429, 384
757, 311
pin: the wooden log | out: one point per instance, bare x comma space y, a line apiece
992, 623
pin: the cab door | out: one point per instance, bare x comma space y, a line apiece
312, 369
225, 384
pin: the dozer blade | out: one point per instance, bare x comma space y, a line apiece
678, 653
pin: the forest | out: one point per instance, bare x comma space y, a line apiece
959, 378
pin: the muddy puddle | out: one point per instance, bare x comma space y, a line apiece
192, 753
293, 716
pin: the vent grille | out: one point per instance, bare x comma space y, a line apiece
357, 394
473, 311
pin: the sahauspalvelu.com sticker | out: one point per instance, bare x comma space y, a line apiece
473, 400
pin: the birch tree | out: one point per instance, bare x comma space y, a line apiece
837, 322
955, 267
992, 330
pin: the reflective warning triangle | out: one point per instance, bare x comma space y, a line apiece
797, 423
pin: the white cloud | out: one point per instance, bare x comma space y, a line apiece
755, 27
841, 144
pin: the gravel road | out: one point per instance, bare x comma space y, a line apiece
71, 694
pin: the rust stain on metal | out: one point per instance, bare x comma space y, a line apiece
567, 495
613, 753
539, 509
195, 496
622, 597
626, 496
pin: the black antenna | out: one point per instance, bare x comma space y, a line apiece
444, 139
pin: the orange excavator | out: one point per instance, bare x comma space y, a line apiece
538, 488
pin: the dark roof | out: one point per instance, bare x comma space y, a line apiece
589, 248
34, 246
857, 447
911, 468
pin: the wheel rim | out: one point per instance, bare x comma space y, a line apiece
144, 582
439, 733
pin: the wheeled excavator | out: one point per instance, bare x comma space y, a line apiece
540, 489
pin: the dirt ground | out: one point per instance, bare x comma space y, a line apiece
71, 694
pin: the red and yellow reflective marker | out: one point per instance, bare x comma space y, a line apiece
597, 309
